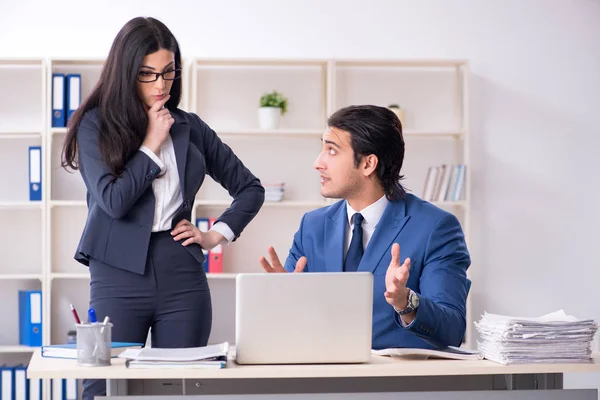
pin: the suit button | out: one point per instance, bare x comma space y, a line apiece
148, 177
153, 171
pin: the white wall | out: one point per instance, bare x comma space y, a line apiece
535, 94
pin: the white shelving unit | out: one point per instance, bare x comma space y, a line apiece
22, 265
39, 238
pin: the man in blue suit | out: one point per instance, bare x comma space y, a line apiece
416, 251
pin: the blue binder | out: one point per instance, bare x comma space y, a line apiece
70, 389
203, 225
30, 317
58, 101
73, 94
57, 389
21, 387
7, 383
34, 388
35, 173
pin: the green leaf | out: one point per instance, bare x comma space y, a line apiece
274, 99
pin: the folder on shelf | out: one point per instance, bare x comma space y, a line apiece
70, 389
6, 382
203, 225
58, 101
215, 255
30, 317
21, 387
57, 389
35, 389
35, 173
457, 193
73, 94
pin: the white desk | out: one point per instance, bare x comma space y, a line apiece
382, 371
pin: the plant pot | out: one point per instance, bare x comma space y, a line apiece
269, 117
400, 113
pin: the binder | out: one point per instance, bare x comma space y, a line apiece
215, 255
30, 317
6, 382
73, 94
35, 173
35, 389
58, 101
57, 389
70, 389
203, 225
21, 386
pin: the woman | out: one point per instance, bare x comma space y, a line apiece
143, 160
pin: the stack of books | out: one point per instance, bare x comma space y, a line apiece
274, 191
551, 338
213, 356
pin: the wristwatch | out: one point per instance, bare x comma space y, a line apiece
413, 303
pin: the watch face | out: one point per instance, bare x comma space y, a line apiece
414, 300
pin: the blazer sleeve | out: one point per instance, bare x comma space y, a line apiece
296, 251
115, 195
441, 315
225, 168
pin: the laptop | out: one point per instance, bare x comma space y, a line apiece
303, 318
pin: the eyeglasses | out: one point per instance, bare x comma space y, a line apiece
170, 75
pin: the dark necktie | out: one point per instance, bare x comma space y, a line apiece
355, 251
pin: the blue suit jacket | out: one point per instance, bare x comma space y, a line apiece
434, 241
121, 209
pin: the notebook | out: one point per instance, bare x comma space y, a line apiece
69, 350
212, 356
450, 352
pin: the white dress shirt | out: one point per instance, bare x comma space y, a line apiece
167, 191
371, 214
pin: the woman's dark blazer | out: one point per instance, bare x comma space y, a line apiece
121, 209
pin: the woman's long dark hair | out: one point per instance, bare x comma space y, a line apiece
123, 119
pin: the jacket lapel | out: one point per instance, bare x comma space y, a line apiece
391, 223
335, 229
180, 134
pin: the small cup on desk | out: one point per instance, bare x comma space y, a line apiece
93, 344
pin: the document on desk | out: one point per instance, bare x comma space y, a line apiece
213, 356
450, 353
551, 338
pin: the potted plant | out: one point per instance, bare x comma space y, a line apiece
272, 106
399, 112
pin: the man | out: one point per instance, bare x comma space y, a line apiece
416, 251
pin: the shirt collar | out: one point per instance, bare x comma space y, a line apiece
371, 214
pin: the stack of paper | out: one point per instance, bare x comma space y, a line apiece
551, 338
214, 356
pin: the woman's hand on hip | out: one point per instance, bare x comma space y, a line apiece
186, 230
159, 125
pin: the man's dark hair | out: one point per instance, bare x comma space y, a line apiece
375, 130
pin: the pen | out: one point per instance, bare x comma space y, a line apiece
92, 316
74, 311
106, 319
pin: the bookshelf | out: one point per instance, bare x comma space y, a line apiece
22, 265
39, 238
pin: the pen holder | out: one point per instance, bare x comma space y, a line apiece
93, 344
